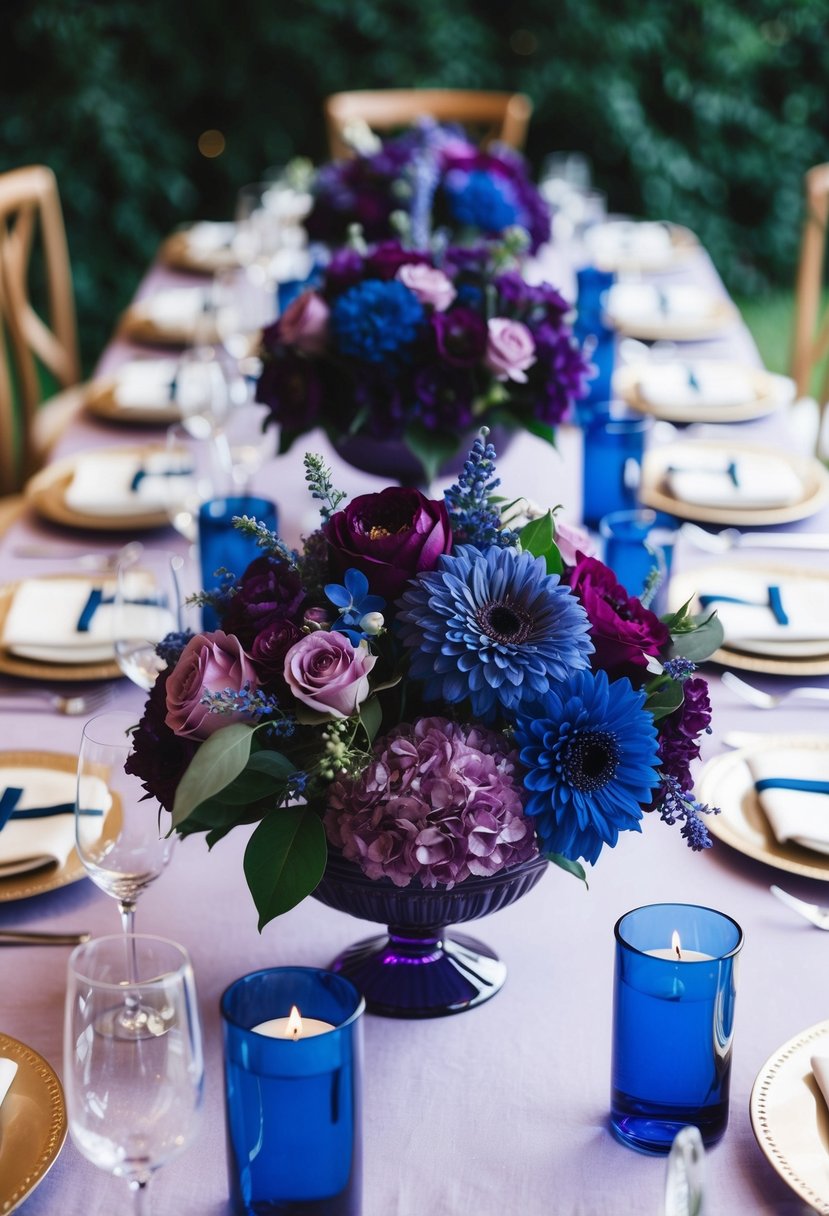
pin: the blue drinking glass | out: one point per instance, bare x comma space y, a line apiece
635, 545
224, 547
673, 1024
293, 1106
614, 444
597, 339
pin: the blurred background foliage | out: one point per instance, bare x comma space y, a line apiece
693, 110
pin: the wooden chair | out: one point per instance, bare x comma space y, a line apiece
33, 247
811, 331
500, 116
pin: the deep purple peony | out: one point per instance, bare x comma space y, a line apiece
390, 537
268, 592
624, 633
439, 801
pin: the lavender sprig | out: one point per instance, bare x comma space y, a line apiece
318, 477
476, 519
265, 538
675, 805
253, 703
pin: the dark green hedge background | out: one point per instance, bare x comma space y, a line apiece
695, 110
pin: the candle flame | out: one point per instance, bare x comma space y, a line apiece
676, 945
294, 1028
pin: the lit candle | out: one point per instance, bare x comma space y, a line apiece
293, 1027
677, 955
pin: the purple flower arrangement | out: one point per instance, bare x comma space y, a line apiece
430, 693
436, 178
406, 346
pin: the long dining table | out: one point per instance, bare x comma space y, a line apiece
501, 1109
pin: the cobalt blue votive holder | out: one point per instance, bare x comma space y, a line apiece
222, 546
637, 548
673, 1024
614, 445
294, 1105
596, 338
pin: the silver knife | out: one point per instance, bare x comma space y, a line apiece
782, 540
26, 937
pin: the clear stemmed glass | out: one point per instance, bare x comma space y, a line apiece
117, 830
204, 480
149, 604
133, 1103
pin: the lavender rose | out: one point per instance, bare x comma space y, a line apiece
510, 349
325, 672
390, 537
304, 323
432, 287
210, 662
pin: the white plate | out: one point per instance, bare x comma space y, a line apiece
790, 1119
764, 397
726, 782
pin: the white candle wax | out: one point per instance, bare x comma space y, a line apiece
685, 956
283, 1028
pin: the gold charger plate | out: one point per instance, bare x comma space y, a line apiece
683, 588
654, 492
720, 316
32, 1124
683, 243
46, 494
139, 326
765, 400
178, 253
726, 782
17, 665
101, 400
790, 1118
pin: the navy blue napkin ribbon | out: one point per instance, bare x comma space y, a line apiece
12, 795
730, 469
96, 598
142, 473
774, 602
792, 783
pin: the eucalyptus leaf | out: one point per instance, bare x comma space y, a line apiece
285, 860
217, 762
664, 700
700, 645
572, 867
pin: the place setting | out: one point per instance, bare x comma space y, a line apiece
172, 316
202, 248
706, 391
676, 312
138, 391
644, 246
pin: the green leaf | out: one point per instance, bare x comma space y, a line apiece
538, 537
430, 447
699, 645
217, 762
265, 773
572, 867
667, 697
371, 715
542, 429
284, 860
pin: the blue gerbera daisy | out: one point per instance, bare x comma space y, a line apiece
591, 756
494, 627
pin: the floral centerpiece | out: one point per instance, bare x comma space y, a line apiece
398, 345
430, 177
428, 693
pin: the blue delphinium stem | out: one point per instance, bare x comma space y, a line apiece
677, 806
476, 519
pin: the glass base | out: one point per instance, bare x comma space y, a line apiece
652, 1128
133, 1022
427, 974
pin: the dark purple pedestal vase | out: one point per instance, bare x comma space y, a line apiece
392, 459
417, 969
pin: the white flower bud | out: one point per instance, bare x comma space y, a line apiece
372, 623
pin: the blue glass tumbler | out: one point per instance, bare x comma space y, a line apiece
224, 547
636, 546
293, 1106
673, 1024
595, 337
614, 444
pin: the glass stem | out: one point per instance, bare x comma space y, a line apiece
131, 1002
140, 1188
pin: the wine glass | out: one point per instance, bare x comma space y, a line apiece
203, 480
117, 830
149, 603
250, 443
133, 1103
203, 392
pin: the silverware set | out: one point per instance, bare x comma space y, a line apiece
768, 700
814, 913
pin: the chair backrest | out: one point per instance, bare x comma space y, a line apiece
32, 246
811, 331
499, 116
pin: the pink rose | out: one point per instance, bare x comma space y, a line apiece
210, 662
510, 349
325, 672
572, 540
432, 287
304, 323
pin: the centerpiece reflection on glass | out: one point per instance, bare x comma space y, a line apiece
149, 604
133, 1104
420, 710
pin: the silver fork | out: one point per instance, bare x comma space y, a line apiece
814, 913
733, 538
71, 704
770, 700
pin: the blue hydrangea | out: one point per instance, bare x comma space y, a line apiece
375, 320
480, 200
493, 627
592, 756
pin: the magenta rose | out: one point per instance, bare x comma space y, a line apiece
325, 672
432, 287
510, 349
304, 323
624, 632
210, 662
390, 536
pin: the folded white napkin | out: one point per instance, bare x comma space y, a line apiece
805, 603
714, 478
29, 844
124, 483
173, 308
820, 1070
625, 241
145, 383
42, 621
794, 814
208, 237
646, 304
8, 1069
689, 384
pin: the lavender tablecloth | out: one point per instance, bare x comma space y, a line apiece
500, 1110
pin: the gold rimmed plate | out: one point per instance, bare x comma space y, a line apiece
790, 1117
654, 490
183, 251
720, 315
32, 1124
46, 494
102, 400
12, 664
726, 782
625, 257
762, 397
181, 327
